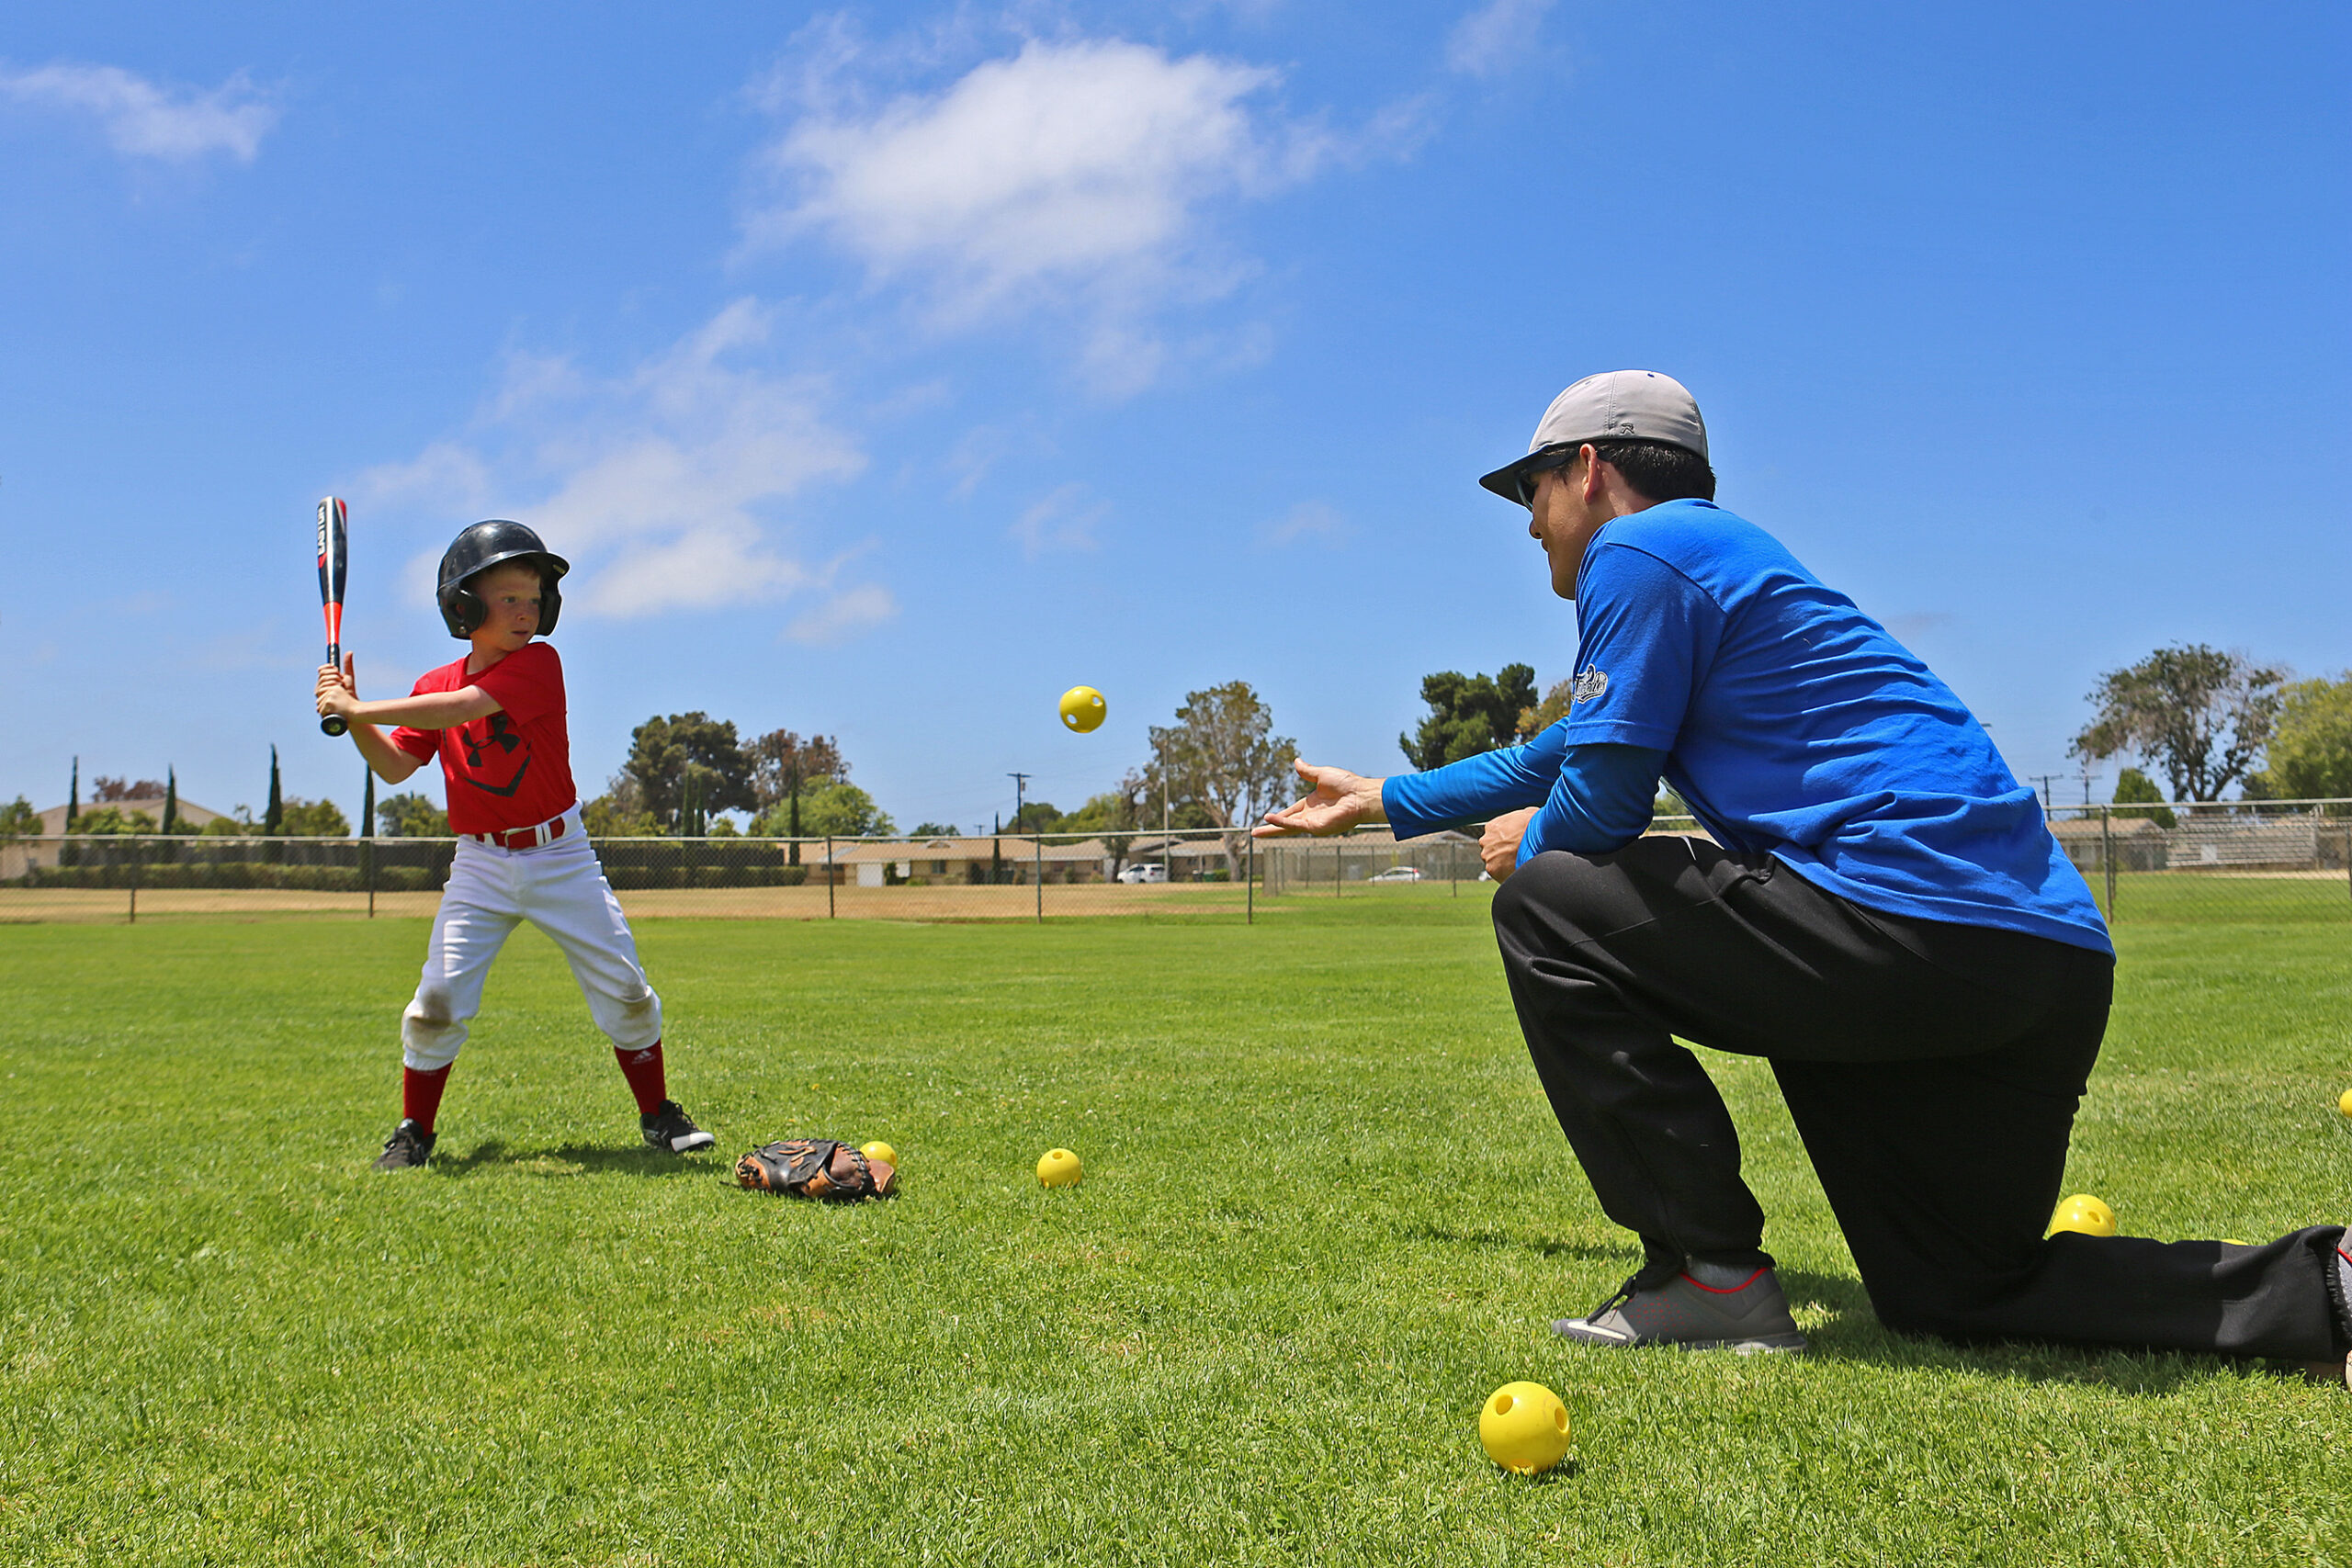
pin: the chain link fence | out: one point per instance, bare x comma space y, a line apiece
2239, 861
988, 877
2288, 860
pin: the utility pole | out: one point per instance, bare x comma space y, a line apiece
2044, 779
1020, 782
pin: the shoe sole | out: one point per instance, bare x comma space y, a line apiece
684, 1146
1583, 1333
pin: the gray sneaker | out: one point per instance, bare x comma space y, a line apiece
1749, 1317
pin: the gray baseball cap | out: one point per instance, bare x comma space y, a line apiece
1616, 405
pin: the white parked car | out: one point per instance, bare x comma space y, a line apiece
1144, 871
1396, 873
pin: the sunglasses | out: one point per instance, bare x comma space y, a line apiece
1555, 457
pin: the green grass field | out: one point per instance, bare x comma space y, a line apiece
1325, 1211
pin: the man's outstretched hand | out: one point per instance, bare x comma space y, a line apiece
1339, 801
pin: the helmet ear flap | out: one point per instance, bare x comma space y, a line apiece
462, 609
550, 602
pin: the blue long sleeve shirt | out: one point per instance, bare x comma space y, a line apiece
1594, 797
1795, 725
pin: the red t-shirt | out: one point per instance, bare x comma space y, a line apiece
511, 769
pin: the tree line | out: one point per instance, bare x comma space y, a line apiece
1218, 766
684, 770
110, 811
2205, 718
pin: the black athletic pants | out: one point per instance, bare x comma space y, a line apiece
1932, 1069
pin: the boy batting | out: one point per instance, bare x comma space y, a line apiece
496, 720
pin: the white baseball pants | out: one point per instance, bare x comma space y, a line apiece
558, 887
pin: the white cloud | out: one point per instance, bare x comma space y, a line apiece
1077, 176
446, 473
844, 615
1495, 38
1309, 520
657, 484
1062, 521
143, 120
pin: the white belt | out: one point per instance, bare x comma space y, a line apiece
530, 838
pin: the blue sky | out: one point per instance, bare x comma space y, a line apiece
885, 370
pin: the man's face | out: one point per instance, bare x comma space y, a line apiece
1560, 518
511, 591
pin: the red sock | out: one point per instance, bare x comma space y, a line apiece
420, 1094
646, 1079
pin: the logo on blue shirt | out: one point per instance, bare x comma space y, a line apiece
1590, 687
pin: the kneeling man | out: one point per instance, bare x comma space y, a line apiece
1883, 916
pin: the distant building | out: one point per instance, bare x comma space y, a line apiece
867, 863
2138, 843
26, 854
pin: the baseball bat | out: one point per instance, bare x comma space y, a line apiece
334, 522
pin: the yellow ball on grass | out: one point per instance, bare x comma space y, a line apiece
1083, 709
2085, 1215
879, 1150
1524, 1427
1058, 1168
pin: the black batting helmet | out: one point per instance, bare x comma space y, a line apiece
475, 551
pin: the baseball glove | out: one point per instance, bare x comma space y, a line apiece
815, 1167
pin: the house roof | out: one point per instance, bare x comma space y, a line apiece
863, 851
2077, 827
53, 822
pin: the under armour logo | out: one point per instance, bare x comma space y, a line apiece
501, 735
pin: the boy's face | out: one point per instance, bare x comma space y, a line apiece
511, 591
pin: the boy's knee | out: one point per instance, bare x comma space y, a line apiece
432, 1006
631, 1021
430, 1034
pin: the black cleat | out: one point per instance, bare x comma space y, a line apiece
407, 1149
671, 1129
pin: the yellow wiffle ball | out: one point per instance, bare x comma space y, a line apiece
2084, 1213
1524, 1427
879, 1150
1083, 708
2344, 1103
1058, 1168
